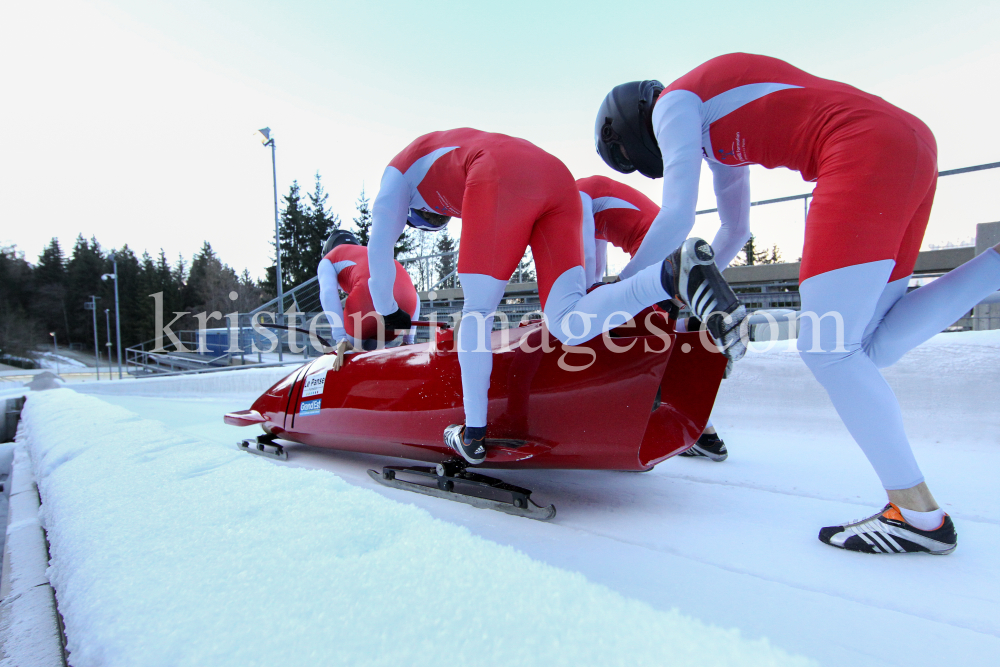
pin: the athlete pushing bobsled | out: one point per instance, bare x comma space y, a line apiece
619, 214
510, 195
345, 266
875, 168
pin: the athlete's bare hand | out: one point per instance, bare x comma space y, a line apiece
343, 347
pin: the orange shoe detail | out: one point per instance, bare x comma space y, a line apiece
892, 512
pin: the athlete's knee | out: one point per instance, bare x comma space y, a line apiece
881, 354
821, 343
572, 327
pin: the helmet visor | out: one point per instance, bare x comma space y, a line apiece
612, 150
426, 221
620, 158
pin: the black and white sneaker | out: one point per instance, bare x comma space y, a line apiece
473, 451
888, 533
690, 274
709, 445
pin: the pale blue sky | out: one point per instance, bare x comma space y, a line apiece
133, 120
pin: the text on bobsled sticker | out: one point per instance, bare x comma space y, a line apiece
313, 385
310, 407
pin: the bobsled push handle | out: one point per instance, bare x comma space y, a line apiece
426, 323
300, 330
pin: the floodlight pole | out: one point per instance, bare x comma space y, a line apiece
266, 132
55, 351
118, 318
97, 354
107, 326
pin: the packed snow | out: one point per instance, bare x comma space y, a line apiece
169, 550
55, 361
734, 544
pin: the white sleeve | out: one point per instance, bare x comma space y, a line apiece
677, 125
589, 246
602, 259
329, 298
389, 212
732, 191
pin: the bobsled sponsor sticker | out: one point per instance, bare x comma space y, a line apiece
313, 385
310, 407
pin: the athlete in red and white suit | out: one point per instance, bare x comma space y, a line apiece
510, 195
613, 213
875, 168
346, 267
619, 214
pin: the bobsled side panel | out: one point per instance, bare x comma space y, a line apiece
583, 407
589, 403
687, 394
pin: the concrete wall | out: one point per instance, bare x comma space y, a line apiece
986, 317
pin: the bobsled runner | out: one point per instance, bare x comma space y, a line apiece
625, 401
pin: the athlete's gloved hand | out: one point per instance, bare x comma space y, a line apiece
343, 347
398, 320
610, 281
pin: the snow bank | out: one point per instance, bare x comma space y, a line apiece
167, 551
953, 374
245, 381
54, 361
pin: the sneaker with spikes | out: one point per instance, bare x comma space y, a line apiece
473, 450
709, 445
888, 533
691, 275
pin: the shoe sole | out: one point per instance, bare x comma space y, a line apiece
697, 252
718, 458
458, 450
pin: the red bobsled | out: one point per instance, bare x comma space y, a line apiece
625, 401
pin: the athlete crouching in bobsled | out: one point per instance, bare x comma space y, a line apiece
511, 195
345, 266
875, 168
618, 214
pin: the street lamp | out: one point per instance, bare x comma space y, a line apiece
268, 140
92, 307
118, 317
55, 351
107, 327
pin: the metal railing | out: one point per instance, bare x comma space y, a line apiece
808, 195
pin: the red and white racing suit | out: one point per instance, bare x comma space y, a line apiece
875, 168
346, 267
613, 213
510, 195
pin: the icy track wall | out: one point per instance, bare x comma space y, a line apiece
167, 550
249, 381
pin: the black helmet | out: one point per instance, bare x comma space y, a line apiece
624, 129
339, 237
426, 221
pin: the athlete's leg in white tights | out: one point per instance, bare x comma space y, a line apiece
876, 328
572, 315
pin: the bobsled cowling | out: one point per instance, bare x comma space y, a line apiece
624, 401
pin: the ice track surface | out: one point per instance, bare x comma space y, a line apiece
734, 544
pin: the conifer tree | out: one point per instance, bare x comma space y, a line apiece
49, 304
292, 234
19, 331
753, 256
363, 221
132, 307
320, 223
406, 242
83, 279
447, 262
526, 267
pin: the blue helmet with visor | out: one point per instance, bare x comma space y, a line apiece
426, 221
